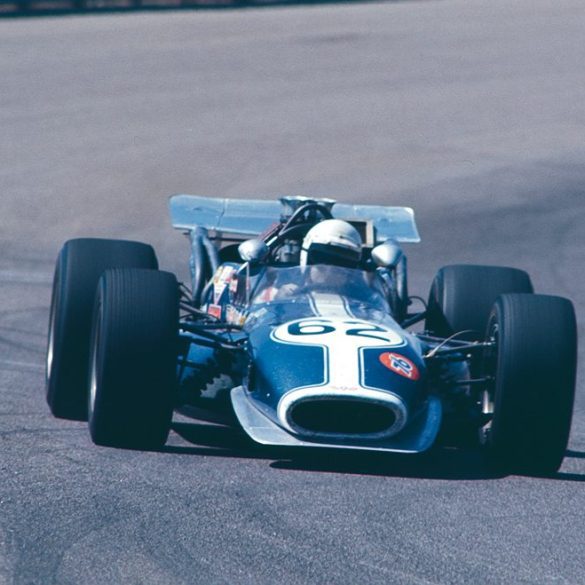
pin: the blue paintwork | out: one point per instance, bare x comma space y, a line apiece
277, 367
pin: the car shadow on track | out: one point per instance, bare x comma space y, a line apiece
567, 476
214, 440
226, 441
439, 463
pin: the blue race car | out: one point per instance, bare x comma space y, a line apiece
298, 320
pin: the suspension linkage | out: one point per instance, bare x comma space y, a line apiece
211, 341
469, 348
473, 381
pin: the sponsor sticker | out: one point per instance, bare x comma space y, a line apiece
221, 281
234, 316
218, 292
399, 365
215, 311
217, 276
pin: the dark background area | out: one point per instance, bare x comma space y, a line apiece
33, 8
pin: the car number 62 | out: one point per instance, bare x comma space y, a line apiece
316, 327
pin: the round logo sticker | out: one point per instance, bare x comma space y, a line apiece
399, 365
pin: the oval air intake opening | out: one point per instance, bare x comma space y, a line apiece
347, 417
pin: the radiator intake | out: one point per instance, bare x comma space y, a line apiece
341, 417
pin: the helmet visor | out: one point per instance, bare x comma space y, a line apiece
335, 255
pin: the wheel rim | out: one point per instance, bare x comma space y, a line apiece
490, 364
50, 345
93, 377
50, 359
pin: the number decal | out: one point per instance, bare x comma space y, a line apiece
342, 341
317, 327
310, 327
366, 331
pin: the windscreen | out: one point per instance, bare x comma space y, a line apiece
297, 283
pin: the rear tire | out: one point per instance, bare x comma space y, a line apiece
133, 358
80, 264
535, 367
462, 297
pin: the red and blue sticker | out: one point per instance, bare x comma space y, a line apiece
214, 311
399, 365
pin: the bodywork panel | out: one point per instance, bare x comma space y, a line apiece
309, 346
416, 438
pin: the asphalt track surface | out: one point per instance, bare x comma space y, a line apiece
472, 112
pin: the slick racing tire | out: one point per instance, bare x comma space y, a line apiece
533, 363
133, 358
80, 264
462, 297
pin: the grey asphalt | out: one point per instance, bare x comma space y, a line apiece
470, 111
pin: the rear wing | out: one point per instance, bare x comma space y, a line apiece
238, 219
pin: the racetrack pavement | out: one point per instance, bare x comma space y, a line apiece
469, 111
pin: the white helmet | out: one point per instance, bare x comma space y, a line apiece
332, 241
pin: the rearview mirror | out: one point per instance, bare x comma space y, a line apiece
253, 251
387, 255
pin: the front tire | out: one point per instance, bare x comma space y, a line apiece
534, 363
133, 358
80, 264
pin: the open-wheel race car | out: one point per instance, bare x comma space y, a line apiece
298, 321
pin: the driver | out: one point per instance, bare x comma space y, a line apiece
334, 242
329, 244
